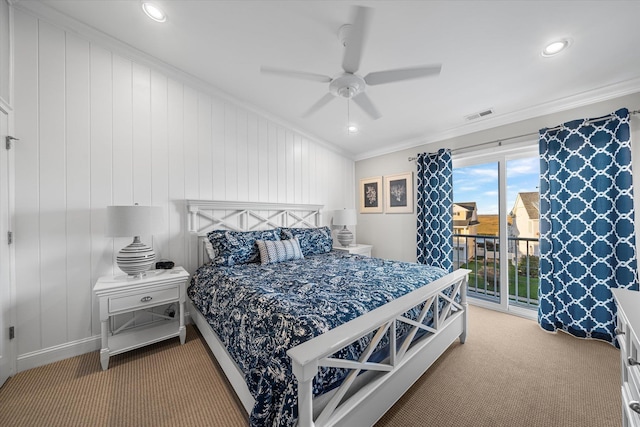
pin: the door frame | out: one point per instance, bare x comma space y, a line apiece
500, 156
11, 303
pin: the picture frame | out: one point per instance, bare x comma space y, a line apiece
398, 193
371, 195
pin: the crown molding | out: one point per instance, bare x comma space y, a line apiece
604, 93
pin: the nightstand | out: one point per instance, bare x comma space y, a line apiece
123, 294
355, 249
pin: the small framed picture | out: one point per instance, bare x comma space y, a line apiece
371, 195
398, 193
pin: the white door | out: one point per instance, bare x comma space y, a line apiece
6, 362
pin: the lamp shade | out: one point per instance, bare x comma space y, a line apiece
130, 221
345, 217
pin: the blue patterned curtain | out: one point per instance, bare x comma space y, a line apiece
435, 209
587, 236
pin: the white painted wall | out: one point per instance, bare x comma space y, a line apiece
97, 128
393, 236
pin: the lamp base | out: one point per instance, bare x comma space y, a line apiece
136, 258
345, 237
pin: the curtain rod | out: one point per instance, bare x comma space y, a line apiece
501, 140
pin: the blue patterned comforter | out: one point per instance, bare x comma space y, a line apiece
261, 311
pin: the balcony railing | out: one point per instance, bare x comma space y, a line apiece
481, 254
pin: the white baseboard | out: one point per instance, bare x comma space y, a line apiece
59, 352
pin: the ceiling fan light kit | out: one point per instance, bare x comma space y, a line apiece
349, 84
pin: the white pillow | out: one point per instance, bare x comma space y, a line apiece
211, 253
272, 251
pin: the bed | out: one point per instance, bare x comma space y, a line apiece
325, 339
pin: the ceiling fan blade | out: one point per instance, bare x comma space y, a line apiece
363, 100
356, 38
319, 104
389, 76
296, 74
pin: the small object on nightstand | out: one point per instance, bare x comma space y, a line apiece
164, 265
126, 294
358, 249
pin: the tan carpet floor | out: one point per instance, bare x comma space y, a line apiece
509, 373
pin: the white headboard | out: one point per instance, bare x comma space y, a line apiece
207, 215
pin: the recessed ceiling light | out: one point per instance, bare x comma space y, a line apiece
555, 47
353, 129
154, 12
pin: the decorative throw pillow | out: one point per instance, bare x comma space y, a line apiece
313, 241
238, 247
279, 250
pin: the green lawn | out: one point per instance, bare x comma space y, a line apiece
477, 278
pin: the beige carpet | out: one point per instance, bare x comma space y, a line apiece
509, 373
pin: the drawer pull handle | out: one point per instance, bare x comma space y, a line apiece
632, 361
145, 299
635, 406
619, 331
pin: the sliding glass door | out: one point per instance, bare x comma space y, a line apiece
496, 231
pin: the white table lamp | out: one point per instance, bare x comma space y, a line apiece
345, 217
134, 221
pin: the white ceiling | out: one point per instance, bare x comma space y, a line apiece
489, 51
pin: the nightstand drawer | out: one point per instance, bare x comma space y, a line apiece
144, 299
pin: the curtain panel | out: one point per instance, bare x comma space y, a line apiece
587, 234
434, 207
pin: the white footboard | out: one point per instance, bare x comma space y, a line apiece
362, 400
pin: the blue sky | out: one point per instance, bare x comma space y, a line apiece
480, 183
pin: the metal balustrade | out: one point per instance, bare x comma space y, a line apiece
481, 255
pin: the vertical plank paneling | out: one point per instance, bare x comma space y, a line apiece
272, 135
177, 172
304, 166
141, 117
312, 175
205, 178
190, 114
297, 167
263, 159
242, 156
160, 160
52, 185
230, 152
27, 162
101, 118
122, 135
97, 129
217, 150
290, 176
252, 158
78, 190
282, 164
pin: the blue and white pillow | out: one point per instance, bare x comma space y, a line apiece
313, 241
275, 251
239, 247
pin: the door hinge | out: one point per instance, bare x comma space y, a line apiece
8, 140
12, 332
9, 237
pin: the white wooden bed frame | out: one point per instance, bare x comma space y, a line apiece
361, 399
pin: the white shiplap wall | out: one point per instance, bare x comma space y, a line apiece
97, 128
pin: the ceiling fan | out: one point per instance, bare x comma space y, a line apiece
349, 84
